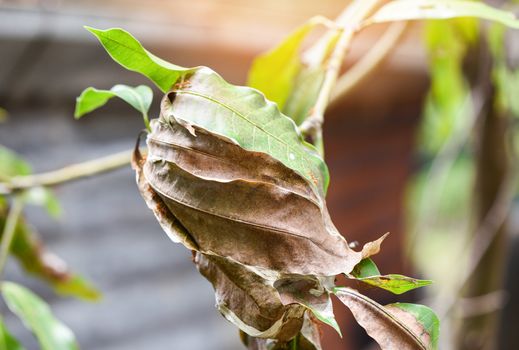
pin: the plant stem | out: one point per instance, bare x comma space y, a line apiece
146, 120
68, 173
295, 343
352, 18
369, 62
10, 229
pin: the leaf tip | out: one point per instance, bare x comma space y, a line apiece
92, 29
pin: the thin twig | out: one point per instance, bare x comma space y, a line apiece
10, 229
354, 15
68, 173
369, 62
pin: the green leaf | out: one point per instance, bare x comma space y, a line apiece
7, 341
366, 271
324, 313
129, 53
12, 165
37, 316
310, 294
243, 115
396, 284
404, 10
44, 197
274, 72
425, 316
365, 268
139, 97
90, 100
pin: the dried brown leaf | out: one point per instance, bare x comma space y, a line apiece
258, 228
249, 300
239, 204
391, 327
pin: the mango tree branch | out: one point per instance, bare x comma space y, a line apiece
68, 173
369, 62
352, 18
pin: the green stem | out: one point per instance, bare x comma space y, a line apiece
369, 62
146, 121
294, 343
354, 15
68, 173
9, 229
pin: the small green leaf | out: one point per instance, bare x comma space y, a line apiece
44, 197
129, 53
426, 317
396, 284
90, 100
139, 97
367, 271
274, 72
12, 165
405, 10
366, 268
304, 292
7, 341
37, 316
324, 313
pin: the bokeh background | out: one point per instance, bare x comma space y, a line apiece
153, 296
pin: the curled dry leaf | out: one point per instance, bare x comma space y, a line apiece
230, 202
251, 220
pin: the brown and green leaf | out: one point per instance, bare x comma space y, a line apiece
394, 326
